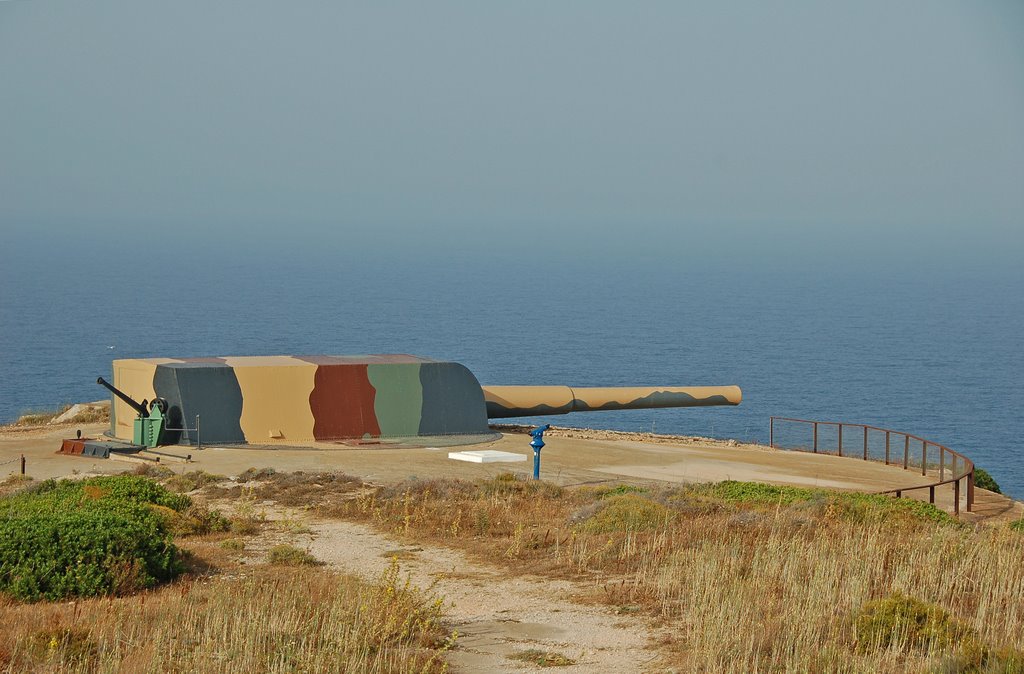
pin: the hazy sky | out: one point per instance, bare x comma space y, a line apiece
731, 131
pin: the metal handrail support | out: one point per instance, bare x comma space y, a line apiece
199, 442
965, 472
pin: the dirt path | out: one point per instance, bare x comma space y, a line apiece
494, 613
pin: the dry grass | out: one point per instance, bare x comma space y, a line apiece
296, 619
316, 491
753, 580
191, 481
14, 483
36, 418
748, 578
91, 415
40, 417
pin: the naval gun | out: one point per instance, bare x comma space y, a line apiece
300, 399
537, 401
150, 427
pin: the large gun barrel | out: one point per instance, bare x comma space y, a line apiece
138, 407
532, 401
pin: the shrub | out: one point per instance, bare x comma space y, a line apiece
628, 512
508, 484
985, 481
187, 482
104, 535
1018, 525
153, 470
854, 506
906, 624
195, 520
543, 658
619, 490
254, 475
289, 555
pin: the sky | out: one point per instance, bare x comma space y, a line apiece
735, 132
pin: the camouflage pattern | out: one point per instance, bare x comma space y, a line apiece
294, 399
531, 401
300, 399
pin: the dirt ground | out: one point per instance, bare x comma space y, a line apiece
494, 613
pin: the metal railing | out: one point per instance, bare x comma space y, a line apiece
904, 450
186, 429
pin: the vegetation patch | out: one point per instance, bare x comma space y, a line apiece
758, 493
191, 481
605, 491
104, 535
265, 620
256, 474
543, 658
506, 484
628, 513
14, 482
39, 417
854, 506
322, 492
88, 414
753, 577
906, 624
985, 481
289, 555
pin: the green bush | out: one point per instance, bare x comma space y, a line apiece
628, 512
907, 624
757, 492
619, 490
851, 505
1018, 525
288, 555
985, 481
100, 536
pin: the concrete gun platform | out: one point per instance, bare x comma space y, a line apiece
571, 457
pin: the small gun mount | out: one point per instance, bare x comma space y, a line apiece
150, 424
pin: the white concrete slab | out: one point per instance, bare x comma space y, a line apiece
486, 456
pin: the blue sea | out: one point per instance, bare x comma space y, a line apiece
933, 351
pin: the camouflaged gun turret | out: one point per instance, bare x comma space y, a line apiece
301, 399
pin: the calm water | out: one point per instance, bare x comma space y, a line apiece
935, 352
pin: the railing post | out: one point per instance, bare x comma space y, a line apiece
771, 432
887, 448
924, 457
815, 437
22, 464
906, 452
942, 463
931, 494
865, 443
840, 439
956, 497
970, 490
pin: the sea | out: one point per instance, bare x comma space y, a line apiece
929, 350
